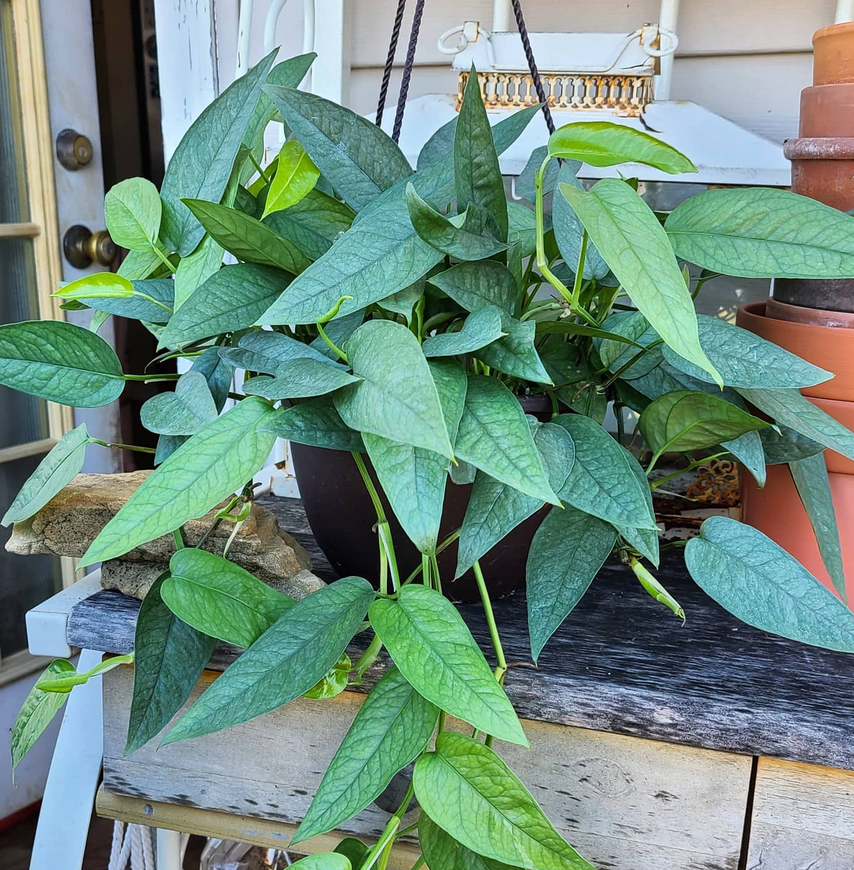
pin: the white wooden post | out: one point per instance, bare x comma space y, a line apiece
668, 19
331, 73
844, 11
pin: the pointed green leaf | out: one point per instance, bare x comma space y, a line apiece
404, 300
479, 329
515, 353
169, 657
466, 789
645, 541
101, 285
287, 660
313, 224
333, 682
566, 554
568, 228
136, 306
761, 584
603, 481
439, 145
391, 728
196, 268
324, 861
602, 143
59, 362
474, 285
58, 468
442, 850
202, 162
495, 437
261, 350
782, 444
318, 424
217, 372
525, 180
397, 398
300, 379
635, 246
655, 590
139, 264
183, 412
747, 449
432, 646
762, 233
132, 211
207, 468
295, 176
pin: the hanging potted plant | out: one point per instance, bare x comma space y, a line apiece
407, 320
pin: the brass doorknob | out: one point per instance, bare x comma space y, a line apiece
82, 247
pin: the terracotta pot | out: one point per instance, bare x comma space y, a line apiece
844, 413
833, 48
780, 309
827, 347
777, 511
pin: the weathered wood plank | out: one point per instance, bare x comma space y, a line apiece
623, 802
803, 818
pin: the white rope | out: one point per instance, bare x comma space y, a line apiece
132, 848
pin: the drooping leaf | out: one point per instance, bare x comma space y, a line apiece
495, 509
196, 268
397, 398
300, 378
568, 228
474, 285
318, 424
287, 660
469, 792
207, 468
231, 299
219, 598
59, 362
746, 360
442, 850
566, 554
295, 176
182, 412
58, 468
261, 350
635, 246
246, 237
763, 233
132, 211
655, 590
359, 159
761, 584
645, 541
479, 329
515, 353
686, 420
404, 300
202, 162
313, 224
391, 728
748, 450
169, 657
602, 143
813, 486
782, 444
494, 436
434, 650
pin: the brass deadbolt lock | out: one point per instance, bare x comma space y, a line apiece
73, 150
82, 247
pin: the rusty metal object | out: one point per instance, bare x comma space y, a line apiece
716, 484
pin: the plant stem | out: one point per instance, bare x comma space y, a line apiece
384, 532
258, 166
501, 669
443, 546
425, 569
150, 379
151, 299
390, 831
162, 257
369, 485
368, 657
331, 344
123, 446
436, 575
179, 540
655, 484
579, 270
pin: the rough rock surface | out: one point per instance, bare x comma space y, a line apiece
69, 523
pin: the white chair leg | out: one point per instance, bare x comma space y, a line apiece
168, 849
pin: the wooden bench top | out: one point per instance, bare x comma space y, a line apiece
622, 663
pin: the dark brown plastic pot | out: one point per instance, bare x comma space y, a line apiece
342, 519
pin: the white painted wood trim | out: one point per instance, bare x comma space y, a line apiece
47, 623
331, 73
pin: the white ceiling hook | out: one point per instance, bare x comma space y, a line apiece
468, 32
667, 41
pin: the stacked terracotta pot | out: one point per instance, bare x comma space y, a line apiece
815, 319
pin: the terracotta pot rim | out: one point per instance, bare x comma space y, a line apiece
832, 30
757, 309
819, 148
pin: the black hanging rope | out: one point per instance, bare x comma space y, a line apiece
389, 61
532, 64
407, 69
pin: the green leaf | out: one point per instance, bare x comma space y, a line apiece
101, 285
169, 657
404, 300
469, 792
300, 379
474, 285
568, 229
333, 682
391, 728
428, 640
813, 486
603, 481
685, 420
219, 598
525, 180
634, 327
782, 444
791, 409
566, 554
132, 211
495, 509
354, 849
601, 143
655, 590
313, 224
397, 398
439, 145
568, 367
747, 449
359, 159
645, 541
295, 176
467, 236
247, 238
494, 436
217, 372
442, 850
479, 329
569, 327
746, 360
635, 246
318, 424
196, 268
59, 362
207, 468
58, 468
761, 584
477, 174
761, 233
231, 299
515, 353
202, 162
139, 264
287, 660
37, 711
189, 408
135, 305
261, 350
324, 861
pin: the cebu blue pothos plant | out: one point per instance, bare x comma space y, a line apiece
399, 315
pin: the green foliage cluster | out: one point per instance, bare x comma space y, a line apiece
398, 315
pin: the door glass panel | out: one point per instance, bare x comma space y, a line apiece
13, 177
